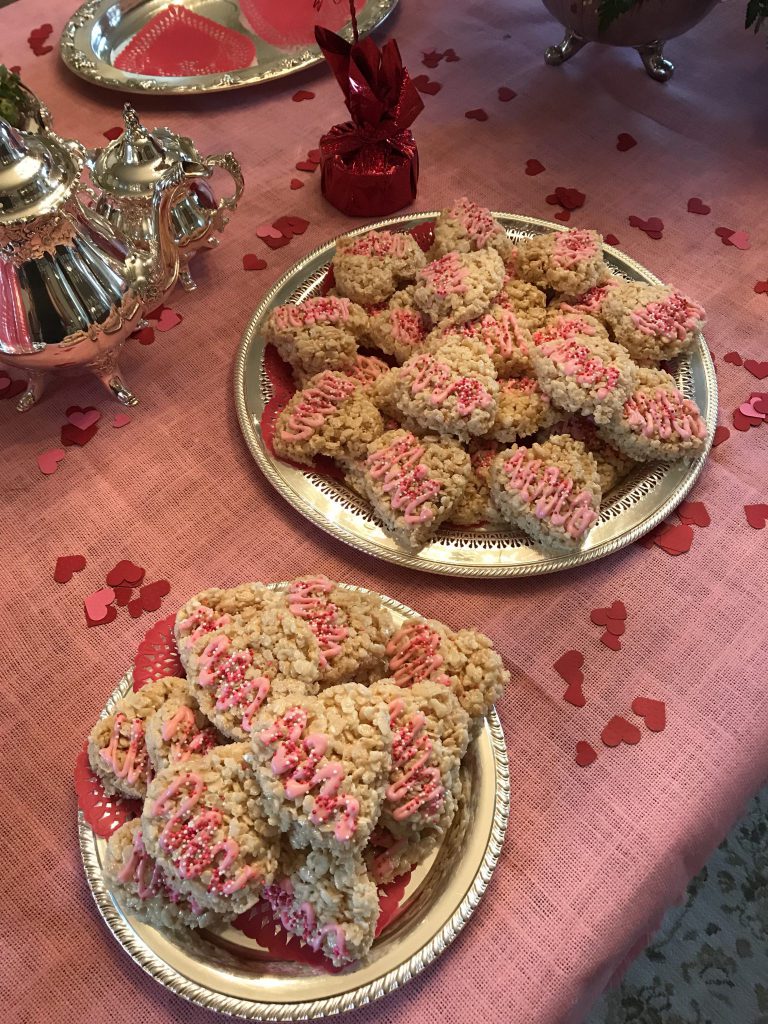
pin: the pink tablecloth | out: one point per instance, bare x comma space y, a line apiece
592, 856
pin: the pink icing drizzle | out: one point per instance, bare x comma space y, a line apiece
573, 246
592, 300
575, 360
300, 919
551, 493
367, 369
414, 655
564, 328
446, 276
316, 404
672, 317
406, 479
407, 327
416, 784
429, 374
309, 600
201, 621
147, 875
523, 386
226, 672
476, 221
663, 414
186, 739
135, 763
312, 312
380, 243
500, 332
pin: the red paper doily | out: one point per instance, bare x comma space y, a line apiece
292, 22
103, 813
157, 655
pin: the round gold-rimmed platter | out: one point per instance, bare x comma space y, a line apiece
100, 30
632, 509
226, 971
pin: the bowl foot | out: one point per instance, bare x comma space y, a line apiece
35, 388
656, 64
556, 55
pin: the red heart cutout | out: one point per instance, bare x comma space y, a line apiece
733, 358
724, 233
695, 205
743, 423
40, 51
451, 56
291, 225
757, 369
113, 133
135, 607
759, 400
568, 667
585, 754
574, 694
145, 336
533, 167
478, 114
122, 595
431, 59
306, 165
169, 319
42, 32
49, 461
609, 640
570, 198
618, 610
314, 155
276, 243
599, 616
616, 627
761, 287
756, 515
425, 85
619, 730
740, 239
83, 418
675, 540
748, 409
152, 595
505, 94
295, 184
721, 434
612, 240
693, 513
563, 215
301, 95
653, 227
625, 142
10, 388
266, 231
125, 573
98, 610
66, 566
71, 435
253, 262
653, 711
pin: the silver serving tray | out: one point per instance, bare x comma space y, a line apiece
628, 512
100, 29
224, 970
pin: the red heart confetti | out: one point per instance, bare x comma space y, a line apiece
122, 419
301, 95
253, 262
83, 418
505, 94
295, 184
696, 205
289, 226
451, 56
563, 215
721, 434
759, 401
314, 155
268, 231
733, 358
306, 165
675, 540
625, 141
152, 595
135, 607
11, 388
757, 515
757, 369
585, 754
113, 133
424, 84
169, 319
125, 573
575, 695
568, 667
724, 233
743, 423
145, 336
612, 240
478, 114
653, 711
609, 640
42, 32
616, 627
693, 513
122, 595
533, 167
750, 410
276, 243
49, 461
431, 59
569, 198
761, 287
66, 566
71, 435
619, 730
98, 607
653, 227
740, 239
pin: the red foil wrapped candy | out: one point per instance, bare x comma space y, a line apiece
370, 164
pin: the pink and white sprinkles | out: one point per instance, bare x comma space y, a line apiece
414, 655
366, 369
406, 479
309, 600
428, 374
192, 839
380, 243
571, 247
550, 492
298, 758
184, 736
523, 386
575, 360
201, 621
300, 919
316, 404
146, 874
673, 317
446, 276
313, 312
476, 221
590, 302
226, 671
416, 784
407, 327
500, 332
132, 763
664, 414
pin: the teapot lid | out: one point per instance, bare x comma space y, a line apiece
37, 173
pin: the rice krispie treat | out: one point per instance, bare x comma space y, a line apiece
459, 286
475, 506
504, 337
656, 421
366, 370
522, 409
331, 906
321, 764
332, 415
568, 262
412, 483
143, 888
464, 661
203, 825
590, 302
612, 465
369, 268
526, 301
451, 391
179, 730
213, 608
550, 490
320, 333
581, 372
399, 330
117, 749
352, 628
652, 322
466, 227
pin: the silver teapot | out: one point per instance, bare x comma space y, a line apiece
73, 287
126, 171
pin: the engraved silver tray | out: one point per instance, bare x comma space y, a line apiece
98, 31
224, 970
639, 503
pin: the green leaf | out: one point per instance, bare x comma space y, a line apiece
610, 10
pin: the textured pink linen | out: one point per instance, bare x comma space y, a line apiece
592, 856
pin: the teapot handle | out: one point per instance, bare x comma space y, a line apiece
231, 165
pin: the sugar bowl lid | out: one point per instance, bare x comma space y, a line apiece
131, 164
37, 173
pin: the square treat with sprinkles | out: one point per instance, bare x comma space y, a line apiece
369, 268
317, 334
459, 286
569, 262
466, 227
652, 322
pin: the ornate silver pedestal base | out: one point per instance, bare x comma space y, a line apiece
108, 373
655, 63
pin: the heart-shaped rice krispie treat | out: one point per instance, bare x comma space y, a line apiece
412, 483
551, 491
203, 824
504, 337
321, 764
331, 905
369, 268
451, 391
567, 262
320, 333
352, 628
522, 409
652, 322
143, 888
579, 369
526, 301
399, 329
466, 227
179, 730
590, 302
656, 421
612, 465
332, 415
213, 608
475, 507
459, 286
117, 750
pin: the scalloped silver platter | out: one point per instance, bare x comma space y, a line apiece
223, 970
99, 30
638, 504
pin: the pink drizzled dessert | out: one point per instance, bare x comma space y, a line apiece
407, 327
383, 864
366, 369
446, 276
591, 301
550, 492
298, 757
186, 739
428, 374
226, 671
571, 247
379, 243
316, 405
195, 838
575, 360
664, 413
130, 763
563, 328
673, 317
414, 655
145, 873
405, 478
523, 386
476, 221
201, 621
300, 919
319, 311
482, 458
416, 784
309, 600
500, 332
